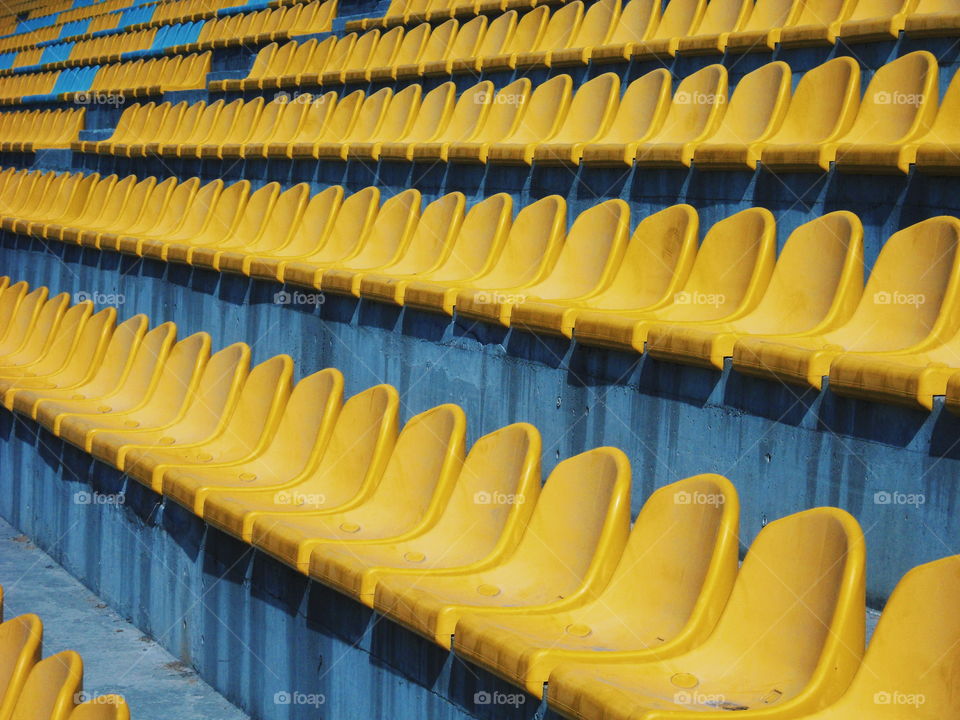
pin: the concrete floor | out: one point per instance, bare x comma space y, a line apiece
117, 657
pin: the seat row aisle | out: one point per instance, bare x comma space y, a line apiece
550, 583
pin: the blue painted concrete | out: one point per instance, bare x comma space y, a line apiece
118, 658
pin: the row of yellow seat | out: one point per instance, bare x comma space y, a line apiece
31, 130
696, 26
131, 78
823, 122
98, 50
547, 584
103, 18
653, 291
263, 26
50, 688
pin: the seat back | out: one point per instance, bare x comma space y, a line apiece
20, 649
50, 688
824, 104
699, 102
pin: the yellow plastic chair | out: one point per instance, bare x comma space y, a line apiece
285, 215
756, 112
461, 249
655, 266
196, 203
933, 18
53, 353
246, 228
542, 119
561, 29
202, 414
105, 707
528, 33
664, 598
23, 320
727, 279
464, 44
105, 214
508, 108
181, 118
50, 688
815, 287
207, 121
897, 110
721, 18
818, 23
243, 435
20, 649
308, 56
23, 347
822, 110
107, 374
408, 52
494, 496
150, 389
592, 111
127, 117
677, 21
425, 245
585, 266
333, 61
344, 475
218, 222
695, 113
492, 40
916, 637
351, 225
789, 640
234, 126
435, 50
599, 22
301, 439
310, 232
284, 131
873, 20
326, 117
382, 53
565, 557
908, 306
467, 117
127, 217
937, 150
258, 130
761, 31
415, 485
10, 299
430, 120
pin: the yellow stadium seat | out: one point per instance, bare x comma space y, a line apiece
664, 598
435, 50
285, 129
415, 484
46, 355
104, 707
335, 60
382, 53
180, 119
22, 349
566, 555
249, 224
398, 114
591, 113
492, 40
936, 151
51, 688
256, 131
677, 21
906, 307
542, 118
789, 640
187, 145
345, 473
494, 495
561, 29
873, 20
408, 52
585, 266
761, 31
128, 215
822, 110
599, 23
467, 117
815, 286
528, 33
234, 125
297, 447
508, 108
933, 18
726, 281
260, 68
308, 55
897, 110
465, 44
719, 19
462, 249
756, 112
429, 241
194, 204
230, 214
326, 116
817, 24
430, 121
21, 639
